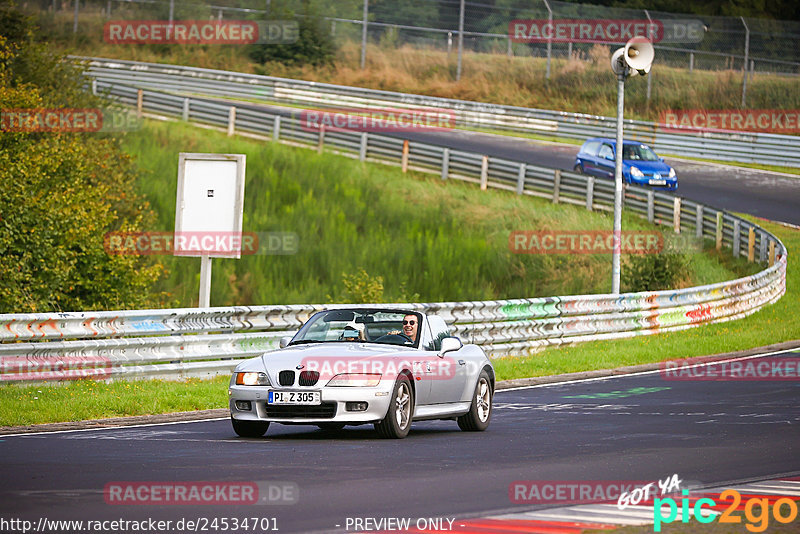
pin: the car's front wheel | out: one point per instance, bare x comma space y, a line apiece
480, 411
250, 429
397, 422
578, 169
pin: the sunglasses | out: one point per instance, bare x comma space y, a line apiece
412, 323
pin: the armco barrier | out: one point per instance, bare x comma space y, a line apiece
203, 342
769, 149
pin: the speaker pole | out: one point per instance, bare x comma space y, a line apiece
617, 238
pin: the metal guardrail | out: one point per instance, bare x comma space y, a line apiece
203, 342
768, 149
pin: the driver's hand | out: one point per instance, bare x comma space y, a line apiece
393, 333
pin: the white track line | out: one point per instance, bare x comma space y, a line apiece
641, 373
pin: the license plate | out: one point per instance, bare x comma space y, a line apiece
658, 182
294, 397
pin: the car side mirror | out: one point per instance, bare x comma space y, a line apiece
661, 160
449, 344
609, 157
285, 340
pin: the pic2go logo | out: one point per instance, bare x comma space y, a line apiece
757, 521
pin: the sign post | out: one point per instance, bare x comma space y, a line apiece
208, 215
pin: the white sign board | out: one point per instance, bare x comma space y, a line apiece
208, 216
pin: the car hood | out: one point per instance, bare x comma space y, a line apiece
649, 166
321, 353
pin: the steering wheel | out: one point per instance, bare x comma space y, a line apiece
390, 338
403, 335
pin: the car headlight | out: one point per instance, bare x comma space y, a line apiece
252, 379
636, 173
672, 173
355, 380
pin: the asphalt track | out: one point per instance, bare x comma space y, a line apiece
769, 195
631, 428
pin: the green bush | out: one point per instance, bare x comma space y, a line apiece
653, 272
62, 193
315, 46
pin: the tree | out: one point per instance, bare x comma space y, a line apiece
62, 193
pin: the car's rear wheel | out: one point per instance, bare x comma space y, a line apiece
250, 429
480, 411
397, 422
331, 427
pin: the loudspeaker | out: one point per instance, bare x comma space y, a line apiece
639, 54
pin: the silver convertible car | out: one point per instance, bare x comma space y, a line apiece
358, 366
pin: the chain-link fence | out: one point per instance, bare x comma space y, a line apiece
532, 28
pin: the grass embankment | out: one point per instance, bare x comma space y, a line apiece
87, 399
348, 215
581, 85
428, 240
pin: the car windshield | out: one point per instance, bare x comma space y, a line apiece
387, 327
638, 152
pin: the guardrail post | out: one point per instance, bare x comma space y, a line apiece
445, 163
771, 252
521, 178
485, 173
185, 113
699, 222
762, 247
676, 215
719, 230
590, 193
651, 206
737, 237
556, 185
276, 128
94, 86
139, 102
691, 62
751, 244
404, 159
231, 120
362, 149
321, 141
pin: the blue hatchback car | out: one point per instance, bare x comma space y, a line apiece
640, 165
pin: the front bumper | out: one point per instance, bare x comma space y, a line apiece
333, 409
669, 184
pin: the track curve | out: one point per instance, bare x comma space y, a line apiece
765, 194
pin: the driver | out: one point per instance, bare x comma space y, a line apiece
410, 327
